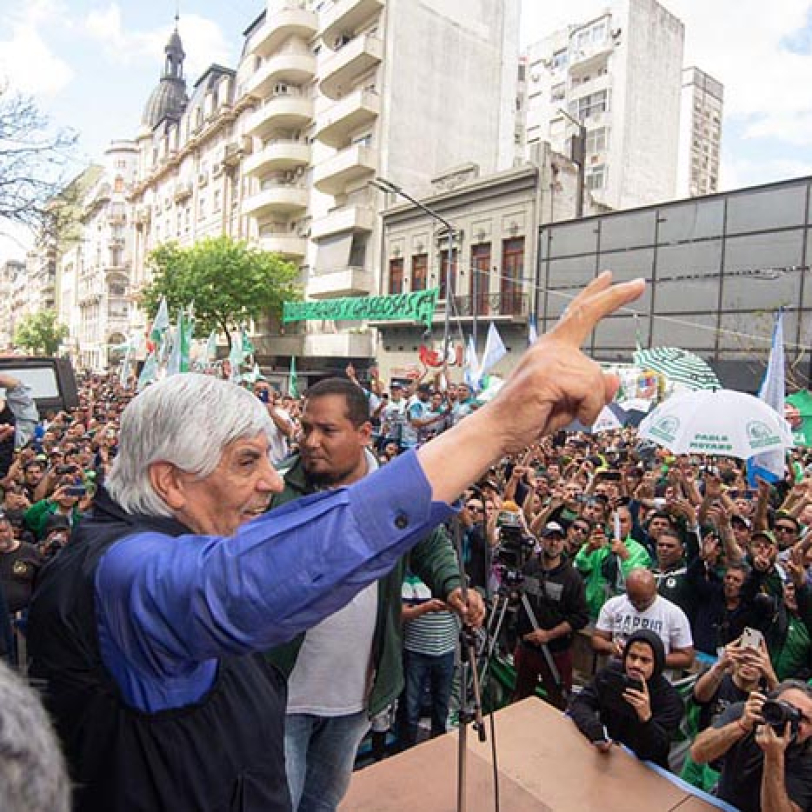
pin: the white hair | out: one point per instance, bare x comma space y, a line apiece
186, 420
33, 776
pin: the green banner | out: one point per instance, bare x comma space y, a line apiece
418, 306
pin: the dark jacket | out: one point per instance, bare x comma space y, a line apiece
555, 596
432, 560
713, 623
599, 705
222, 753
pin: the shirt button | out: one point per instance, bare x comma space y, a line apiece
401, 522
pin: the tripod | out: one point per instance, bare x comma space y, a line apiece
504, 601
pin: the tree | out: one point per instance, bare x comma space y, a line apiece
228, 281
40, 333
32, 159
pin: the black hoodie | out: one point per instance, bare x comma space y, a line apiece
598, 706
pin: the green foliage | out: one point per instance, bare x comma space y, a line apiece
229, 282
40, 333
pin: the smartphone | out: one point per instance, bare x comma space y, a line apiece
264, 395
615, 684
612, 476
751, 638
76, 490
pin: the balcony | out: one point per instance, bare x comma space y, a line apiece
288, 245
278, 155
348, 218
340, 345
280, 199
353, 59
513, 305
346, 16
352, 164
339, 121
284, 112
351, 281
297, 68
289, 22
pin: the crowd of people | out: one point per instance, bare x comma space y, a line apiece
691, 587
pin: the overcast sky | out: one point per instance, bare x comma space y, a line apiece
92, 63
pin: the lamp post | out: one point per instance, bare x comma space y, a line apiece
578, 156
392, 188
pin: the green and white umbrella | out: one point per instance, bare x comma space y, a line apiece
679, 366
724, 423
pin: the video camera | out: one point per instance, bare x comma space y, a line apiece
515, 547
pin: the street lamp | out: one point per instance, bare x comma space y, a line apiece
392, 188
578, 156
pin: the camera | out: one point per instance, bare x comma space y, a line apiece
515, 549
777, 713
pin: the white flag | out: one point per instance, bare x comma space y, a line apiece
471, 365
494, 350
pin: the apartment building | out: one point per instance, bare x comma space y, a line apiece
346, 91
700, 134
614, 81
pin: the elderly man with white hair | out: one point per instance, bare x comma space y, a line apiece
146, 627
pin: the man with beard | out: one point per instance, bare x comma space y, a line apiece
762, 768
330, 697
670, 572
631, 702
555, 593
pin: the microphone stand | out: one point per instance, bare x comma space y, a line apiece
470, 702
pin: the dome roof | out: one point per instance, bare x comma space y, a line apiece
168, 100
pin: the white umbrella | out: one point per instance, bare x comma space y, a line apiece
724, 422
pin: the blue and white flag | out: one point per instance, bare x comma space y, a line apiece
532, 332
494, 350
770, 465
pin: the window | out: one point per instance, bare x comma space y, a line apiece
558, 92
480, 278
396, 276
596, 177
559, 60
444, 272
420, 270
512, 271
590, 105
597, 140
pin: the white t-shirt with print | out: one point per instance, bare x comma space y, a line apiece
619, 617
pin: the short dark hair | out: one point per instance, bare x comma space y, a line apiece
354, 397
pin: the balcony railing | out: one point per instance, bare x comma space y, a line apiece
514, 305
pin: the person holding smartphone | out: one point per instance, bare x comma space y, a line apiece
630, 702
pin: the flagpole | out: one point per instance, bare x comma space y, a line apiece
387, 186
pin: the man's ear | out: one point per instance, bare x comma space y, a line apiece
167, 482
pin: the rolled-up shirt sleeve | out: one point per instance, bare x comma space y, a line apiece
165, 604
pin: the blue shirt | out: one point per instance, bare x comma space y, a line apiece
168, 608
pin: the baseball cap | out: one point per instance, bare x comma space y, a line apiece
767, 534
741, 520
552, 529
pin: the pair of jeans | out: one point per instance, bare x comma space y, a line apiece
436, 672
319, 756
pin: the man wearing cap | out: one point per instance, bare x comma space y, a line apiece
556, 596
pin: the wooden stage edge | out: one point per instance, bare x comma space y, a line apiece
544, 764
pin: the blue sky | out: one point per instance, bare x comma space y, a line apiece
92, 63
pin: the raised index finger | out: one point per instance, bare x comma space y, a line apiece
596, 301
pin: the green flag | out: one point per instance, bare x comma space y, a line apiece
247, 345
148, 372
293, 382
160, 324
